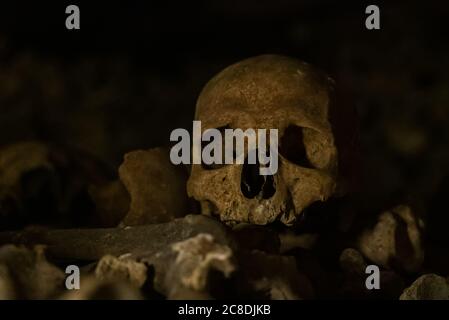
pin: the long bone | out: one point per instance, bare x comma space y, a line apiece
92, 244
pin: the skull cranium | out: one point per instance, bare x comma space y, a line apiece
269, 91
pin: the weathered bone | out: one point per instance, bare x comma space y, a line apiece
92, 244
26, 274
396, 241
274, 92
157, 188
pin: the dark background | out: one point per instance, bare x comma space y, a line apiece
134, 70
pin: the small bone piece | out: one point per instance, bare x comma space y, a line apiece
354, 276
34, 277
199, 254
156, 186
188, 277
427, 287
395, 241
122, 269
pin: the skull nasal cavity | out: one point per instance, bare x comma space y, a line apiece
253, 184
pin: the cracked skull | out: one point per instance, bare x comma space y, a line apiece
270, 92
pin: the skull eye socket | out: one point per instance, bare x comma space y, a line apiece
292, 147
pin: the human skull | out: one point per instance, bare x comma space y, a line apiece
270, 92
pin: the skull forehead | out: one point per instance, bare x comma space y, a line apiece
265, 89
